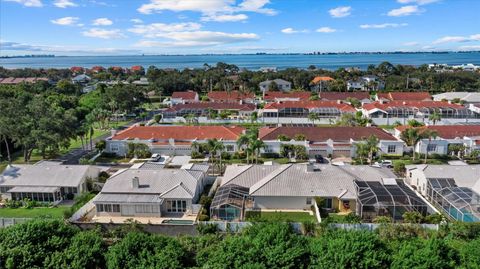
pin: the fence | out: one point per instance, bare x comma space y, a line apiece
374, 226
5, 222
82, 211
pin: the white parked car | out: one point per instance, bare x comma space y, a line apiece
384, 163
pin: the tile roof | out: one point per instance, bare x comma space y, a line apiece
189, 95
333, 96
410, 104
449, 131
272, 95
318, 79
212, 105
12, 80
311, 105
180, 132
320, 134
224, 96
406, 96
471, 97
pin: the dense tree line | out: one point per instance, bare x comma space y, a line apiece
45, 118
54, 244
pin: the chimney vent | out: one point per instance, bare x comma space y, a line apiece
135, 182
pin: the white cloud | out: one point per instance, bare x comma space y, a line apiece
453, 39
340, 12
28, 3
159, 29
102, 21
470, 47
211, 10
66, 21
103, 33
198, 38
290, 30
417, 2
383, 25
411, 44
15, 46
225, 17
64, 3
326, 30
404, 11
136, 21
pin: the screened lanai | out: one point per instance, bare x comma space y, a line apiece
460, 203
390, 198
229, 202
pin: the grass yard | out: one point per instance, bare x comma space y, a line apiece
48, 212
279, 216
114, 159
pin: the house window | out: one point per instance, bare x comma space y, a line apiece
230, 148
328, 203
114, 148
100, 208
309, 201
431, 147
176, 206
391, 149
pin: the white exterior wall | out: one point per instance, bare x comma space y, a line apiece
417, 178
383, 146
281, 202
441, 146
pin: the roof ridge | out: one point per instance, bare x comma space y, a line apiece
255, 187
247, 167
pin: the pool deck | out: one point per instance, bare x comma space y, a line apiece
143, 220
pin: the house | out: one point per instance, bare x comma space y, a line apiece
231, 97
365, 83
268, 69
45, 181
301, 109
76, 70
149, 191
184, 97
453, 189
204, 109
294, 187
329, 141
141, 82
280, 85
398, 110
97, 69
464, 97
286, 96
467, 136
81, 79
320, 83
404, 96
173, 140
137, 69
363, 97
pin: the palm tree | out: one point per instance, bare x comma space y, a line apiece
215, 147
313, 117
362, 151
372, 146
430, 134
254, 117
411, 136
243, 142
434, 117
255, 147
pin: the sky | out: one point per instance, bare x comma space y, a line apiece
131, 27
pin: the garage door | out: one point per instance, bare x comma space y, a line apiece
314, 152
341, 153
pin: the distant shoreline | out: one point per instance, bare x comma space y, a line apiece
247, 54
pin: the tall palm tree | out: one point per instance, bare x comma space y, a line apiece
411, 136
243, 142
434, 117
372, 147
255, 147
313, 117
431, 135
215, 148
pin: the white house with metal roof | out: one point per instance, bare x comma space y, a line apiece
148, 191
45, 181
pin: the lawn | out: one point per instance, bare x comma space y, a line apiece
279, 216
49, 212
114, 159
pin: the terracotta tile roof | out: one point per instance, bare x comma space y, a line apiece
213, 105
76, 69
136, 68
232, 96
190, 95
449, 131
272, 96
333, 96
406, 96
97, 68
180, 132
321, 134
311, 105
411, 104
318, 79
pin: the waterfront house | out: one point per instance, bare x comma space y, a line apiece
281, 85
184, 97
